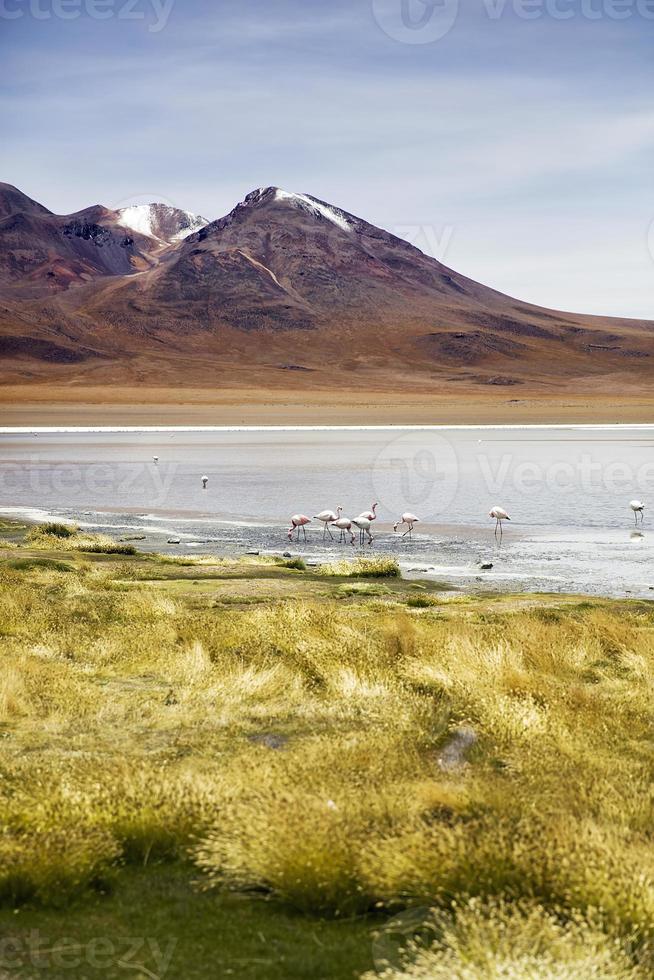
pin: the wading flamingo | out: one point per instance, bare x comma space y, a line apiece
344, 524
370, 514
297, 523
638, 507
499, 514
205, 480
363, 523
328, 517
410, 520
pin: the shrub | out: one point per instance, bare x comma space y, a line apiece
478, 941
64, 538
297, 563
382, 567
421, 601
52, 865
55, 529
110, 548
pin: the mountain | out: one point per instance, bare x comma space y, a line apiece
284, 291
42, 253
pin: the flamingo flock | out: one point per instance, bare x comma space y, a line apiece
363, 523
333, 519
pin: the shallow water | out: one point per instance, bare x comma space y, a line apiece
567, 490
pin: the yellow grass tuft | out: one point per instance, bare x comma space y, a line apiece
382, 567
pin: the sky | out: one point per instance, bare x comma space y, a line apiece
511, 139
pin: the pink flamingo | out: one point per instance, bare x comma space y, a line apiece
363, 523
298, 521
499, 514
344, 524
370, 514
328, 517
409, 519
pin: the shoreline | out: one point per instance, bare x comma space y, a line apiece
30, 407
486, 427
442, 556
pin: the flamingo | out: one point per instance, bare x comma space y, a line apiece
344, 524
205, 480
499, 514
297, 522
363, 523
410, 520
328, 517
638, 507
370, 514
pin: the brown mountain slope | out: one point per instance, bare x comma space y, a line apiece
285, 292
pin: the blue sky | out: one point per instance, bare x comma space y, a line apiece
514, 139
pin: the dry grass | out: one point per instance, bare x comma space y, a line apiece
478, 941
294, 748
68, 537
381, 567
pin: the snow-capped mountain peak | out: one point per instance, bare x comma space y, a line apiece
335, 215
162, 222
303, 202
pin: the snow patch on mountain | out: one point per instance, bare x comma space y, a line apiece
138, 218
161, 221
331, 214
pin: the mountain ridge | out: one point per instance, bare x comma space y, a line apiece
285, 289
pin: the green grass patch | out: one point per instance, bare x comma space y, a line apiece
110, 548
349, 589
154, 923
32, 564
382, 567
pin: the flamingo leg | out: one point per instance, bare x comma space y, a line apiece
305, 533
327, 528
408, 531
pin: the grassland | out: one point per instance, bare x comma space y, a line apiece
265, 771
